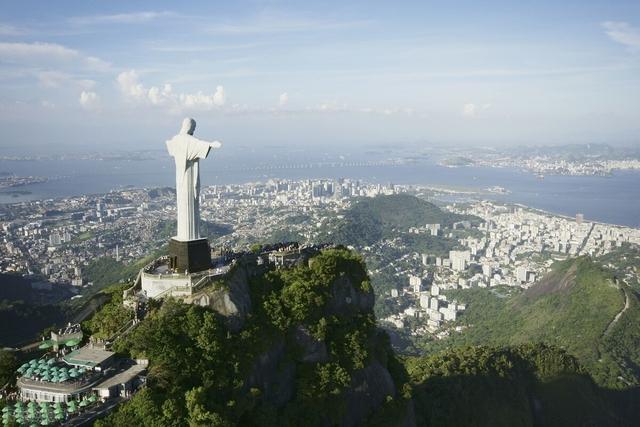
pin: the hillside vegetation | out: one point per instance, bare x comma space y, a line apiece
371, 219
525, 385
570, 308
308, 353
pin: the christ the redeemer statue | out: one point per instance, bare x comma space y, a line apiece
187, 152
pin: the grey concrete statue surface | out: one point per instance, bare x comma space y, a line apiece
187, 151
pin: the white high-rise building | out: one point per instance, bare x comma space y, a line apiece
415, 283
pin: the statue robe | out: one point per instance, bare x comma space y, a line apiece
187, 151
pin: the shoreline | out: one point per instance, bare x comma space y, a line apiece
450, 190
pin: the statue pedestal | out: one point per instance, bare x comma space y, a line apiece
191, 255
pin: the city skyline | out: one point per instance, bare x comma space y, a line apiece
89, 74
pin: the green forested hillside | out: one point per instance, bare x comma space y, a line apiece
373, 218
525, 385
310, 337
571, 308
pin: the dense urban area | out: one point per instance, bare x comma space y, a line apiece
55, 241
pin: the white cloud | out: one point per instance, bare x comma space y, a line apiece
133, 90
49, 54
37, 50
129, 85
120, 18
160, 97
96, 64
89, 100
219, 97
469, 110
472, 110
283, 99
623, 33
200, 100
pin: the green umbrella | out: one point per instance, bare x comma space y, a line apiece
63, 377
45, 344
51, 361
59, 416
33, 362
25, 365
72, 342
84, 403
72, 406
44, 422
92, 398
6, 409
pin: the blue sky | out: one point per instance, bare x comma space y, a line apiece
100, 74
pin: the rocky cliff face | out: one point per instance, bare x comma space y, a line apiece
230, 298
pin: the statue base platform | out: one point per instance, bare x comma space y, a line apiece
190, 256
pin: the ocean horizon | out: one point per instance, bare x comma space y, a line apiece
613, 199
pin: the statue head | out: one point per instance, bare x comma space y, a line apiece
188, 126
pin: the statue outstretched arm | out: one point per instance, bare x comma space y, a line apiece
199, 149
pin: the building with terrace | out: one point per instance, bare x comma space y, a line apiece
53, 380
69, 336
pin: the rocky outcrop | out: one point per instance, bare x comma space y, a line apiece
346, 299
274, 379
312, 350
370, 387
232, 299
